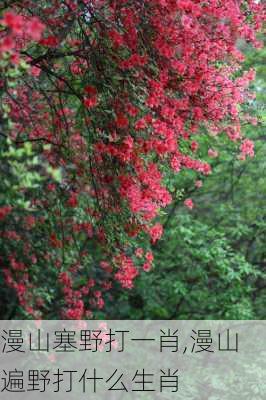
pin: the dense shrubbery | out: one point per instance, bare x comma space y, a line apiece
111, 112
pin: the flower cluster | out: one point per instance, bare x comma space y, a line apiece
122, 94
19, 27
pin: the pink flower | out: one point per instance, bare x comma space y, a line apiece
15, 59
65, 279
14, 22
198, 184
30, 221
147, 267
194, 146
247, 148
127, 271
213, 153
189, 203
100, 303
35, 71
35, 28
7, 44
139, 252
175, 164
106, 266
149, 256
156, 232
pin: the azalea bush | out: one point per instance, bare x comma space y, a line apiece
210, 262
113, 100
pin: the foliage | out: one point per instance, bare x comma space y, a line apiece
110, 109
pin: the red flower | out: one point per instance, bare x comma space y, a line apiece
4, 211
194, 146
73, 201
121, 121
14, 22
35, 28
56, 243
90, 102
90, 90
116, 38
7, 44
50, 41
